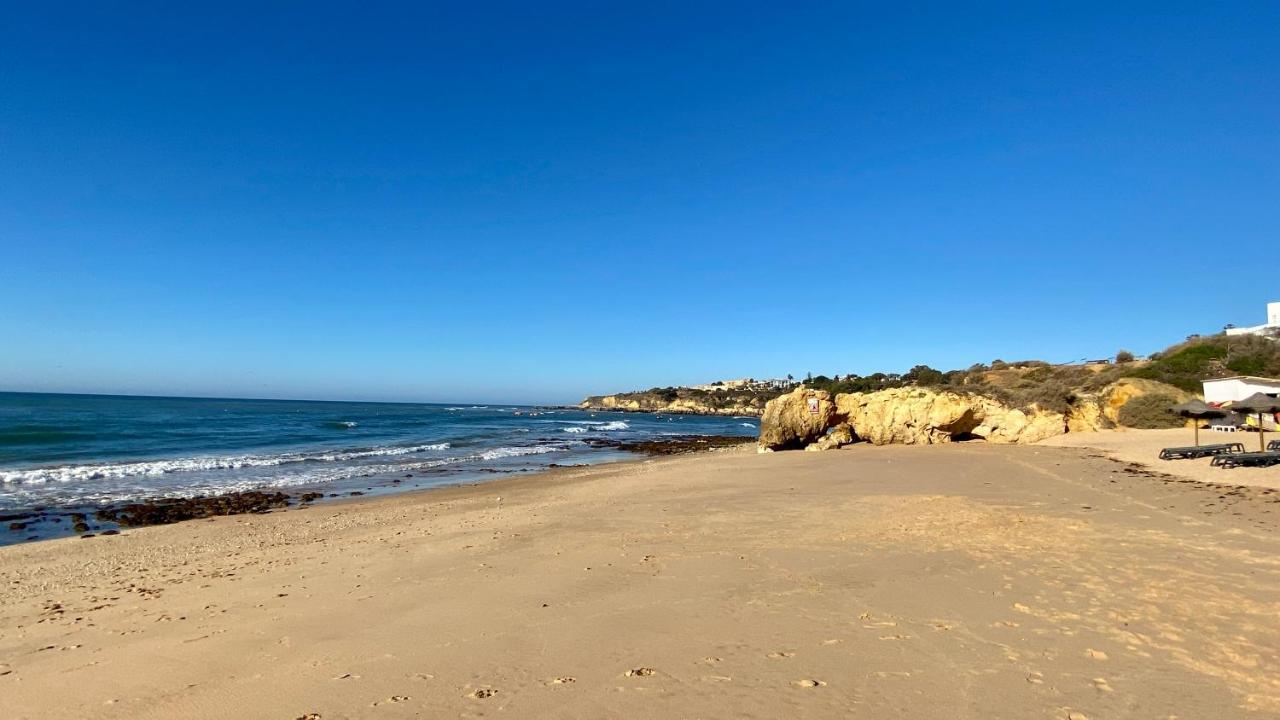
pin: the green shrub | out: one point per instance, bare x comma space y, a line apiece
1186, 366
1150, 411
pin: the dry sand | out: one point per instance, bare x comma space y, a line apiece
1143, 446
962, 581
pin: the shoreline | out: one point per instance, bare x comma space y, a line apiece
712, 584
87, 522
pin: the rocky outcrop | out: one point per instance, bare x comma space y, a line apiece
1087, 416
1116, 395
921, 416
796, 419
713, 404
839, 436
926, 416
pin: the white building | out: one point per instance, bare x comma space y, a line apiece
1238, 387
1273, 323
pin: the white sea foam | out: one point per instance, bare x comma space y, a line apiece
750, 425
581, 426
124, 482
71, 473
507, 452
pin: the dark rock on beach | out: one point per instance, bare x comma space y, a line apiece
170, 510
676, 444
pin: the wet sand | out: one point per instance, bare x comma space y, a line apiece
962, 581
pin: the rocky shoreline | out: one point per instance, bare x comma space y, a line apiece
681, 401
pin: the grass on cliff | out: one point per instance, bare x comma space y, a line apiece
1029, 383
1150, 412
1057, 387
1185, 365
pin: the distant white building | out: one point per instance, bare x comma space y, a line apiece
744, 383
1273, 323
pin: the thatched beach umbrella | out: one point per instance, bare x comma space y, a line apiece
1258, 403
1197, 410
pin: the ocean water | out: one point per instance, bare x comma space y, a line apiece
88, 451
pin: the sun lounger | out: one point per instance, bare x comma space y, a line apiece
1252, 459
1199, 451
1273, 445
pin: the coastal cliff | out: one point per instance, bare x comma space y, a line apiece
683, 401
817, 420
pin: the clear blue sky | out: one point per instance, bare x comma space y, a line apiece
533, 201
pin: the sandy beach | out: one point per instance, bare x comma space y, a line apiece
1143, 446
961, 581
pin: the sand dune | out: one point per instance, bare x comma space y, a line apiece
961, 581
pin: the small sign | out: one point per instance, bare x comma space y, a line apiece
813, 406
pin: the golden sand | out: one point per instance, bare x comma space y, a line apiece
962, 581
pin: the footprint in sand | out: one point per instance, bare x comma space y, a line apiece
562, 680
1035, 678
392, 699
1102, 685
832, 641
483, 693
1095, 654
641, 672
779, 655
808, 683
895, 637
710, 660
309, 716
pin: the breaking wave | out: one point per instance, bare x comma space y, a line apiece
70, 473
